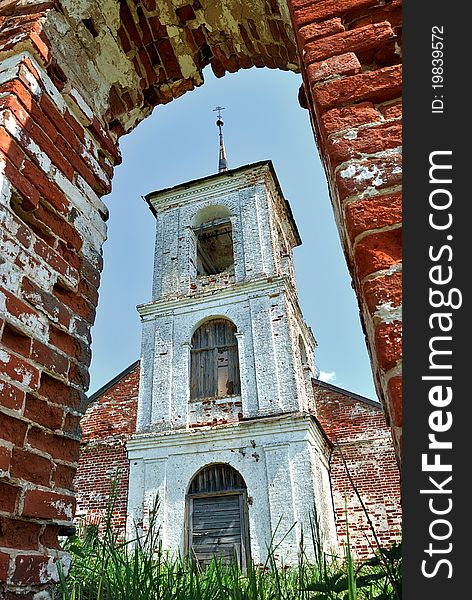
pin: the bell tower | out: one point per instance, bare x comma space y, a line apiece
225, 411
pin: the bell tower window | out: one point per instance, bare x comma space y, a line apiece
214, 235
215, 361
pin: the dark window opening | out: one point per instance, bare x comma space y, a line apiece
215, 361
214, 247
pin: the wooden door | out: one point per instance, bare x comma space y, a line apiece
217, 528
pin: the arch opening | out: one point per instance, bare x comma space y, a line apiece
214, 361
217, 519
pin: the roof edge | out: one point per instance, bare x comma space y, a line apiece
112, 382
345, 392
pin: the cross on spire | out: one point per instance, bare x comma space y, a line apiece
222, 162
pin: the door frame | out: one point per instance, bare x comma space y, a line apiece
244, 519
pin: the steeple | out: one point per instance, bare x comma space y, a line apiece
222, 162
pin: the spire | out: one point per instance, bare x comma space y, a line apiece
222, 162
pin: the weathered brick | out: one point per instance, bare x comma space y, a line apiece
388, 344
385, 289
348, 117
57, 446
8, 496
375, 86
395, 400
28, 569
46, 302
313, 31
12, 397
30, 467
58, 392
41, 412
19, 370
16, 340
345, 64
367, 140
356, 40
378, 251
63, 476
48, 505
307, 11
5, 457
370, 173
373, 213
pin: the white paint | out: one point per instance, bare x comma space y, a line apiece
277, 448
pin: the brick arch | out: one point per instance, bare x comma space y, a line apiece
72, 81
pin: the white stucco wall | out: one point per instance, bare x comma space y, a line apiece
276, 459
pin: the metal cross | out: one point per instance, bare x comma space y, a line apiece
219, 109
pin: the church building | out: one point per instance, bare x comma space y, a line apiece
230, 433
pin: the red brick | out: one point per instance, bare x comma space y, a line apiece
129, 23
19, 370
307, 11
13, 429
394, 391
374, 173
59, 392
313, 31
57, 446
373, 213
48, 190
392, 110
11, 149
64, 476
46, 302
29, 194
16, 340
50, 359
30, 467
48, 505
378, 251
15, 533
345, 64
5, 456
43, 413
49, 539
8, 496
376, 86
77, 304
12, 397
382, 290
356, 40
4, 565
348, 117
28, 569
388, 344
368, 140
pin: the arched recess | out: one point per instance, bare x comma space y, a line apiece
77, 76
217, 523
214, 365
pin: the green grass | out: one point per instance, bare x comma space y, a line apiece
105, 568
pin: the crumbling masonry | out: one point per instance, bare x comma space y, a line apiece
75, 77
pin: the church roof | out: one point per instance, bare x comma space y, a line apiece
152, 196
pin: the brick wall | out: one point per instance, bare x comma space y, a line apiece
351, 70
103, 469
356, 427
60, 121
363, 468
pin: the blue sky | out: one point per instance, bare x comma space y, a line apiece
179, 142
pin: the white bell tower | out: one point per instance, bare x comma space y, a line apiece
227, 434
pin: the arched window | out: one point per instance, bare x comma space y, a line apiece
214, 361
217, 516
214, 236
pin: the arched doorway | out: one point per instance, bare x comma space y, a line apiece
217, 521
